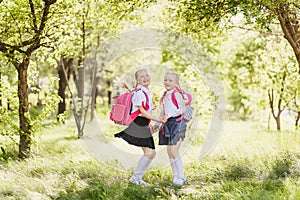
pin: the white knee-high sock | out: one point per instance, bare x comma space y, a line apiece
142, 166
179, 166
174, 167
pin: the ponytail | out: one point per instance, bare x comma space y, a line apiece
124, 85
136, 86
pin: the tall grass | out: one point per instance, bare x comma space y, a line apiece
248, 163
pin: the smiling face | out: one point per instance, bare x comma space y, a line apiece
170, 81
143, 78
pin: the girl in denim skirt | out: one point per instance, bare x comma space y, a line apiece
172, 133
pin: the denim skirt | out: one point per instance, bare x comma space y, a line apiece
172, 131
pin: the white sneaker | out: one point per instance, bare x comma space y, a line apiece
134, 180
175, 179
138, 181
179, 181
142, 182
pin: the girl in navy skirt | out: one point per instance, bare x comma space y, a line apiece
138, 132
172, 133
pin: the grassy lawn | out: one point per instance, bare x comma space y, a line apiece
248, 162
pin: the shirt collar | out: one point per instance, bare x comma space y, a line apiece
170, 91
143, 88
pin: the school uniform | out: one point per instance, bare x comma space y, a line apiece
174, 129
138, 132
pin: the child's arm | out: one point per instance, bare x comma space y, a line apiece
148, 116
156, 126
161, 115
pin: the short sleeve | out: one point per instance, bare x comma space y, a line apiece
138, 98
179, 99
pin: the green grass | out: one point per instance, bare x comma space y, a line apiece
247, 163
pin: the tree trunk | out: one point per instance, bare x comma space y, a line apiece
271, 103
24, 122
290, 27
80, 99
297, 121
0, 88
278, 122
62, 84
64, 71
269, 120
109, 92
81, 79
94, 95
109, 97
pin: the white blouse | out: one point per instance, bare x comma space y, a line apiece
139, 97
169, 108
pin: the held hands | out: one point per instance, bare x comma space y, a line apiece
154, 128
161, 120
164, 119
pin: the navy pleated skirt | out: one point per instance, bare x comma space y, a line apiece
172, 131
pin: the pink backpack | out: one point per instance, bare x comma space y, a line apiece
187, 116
121, 110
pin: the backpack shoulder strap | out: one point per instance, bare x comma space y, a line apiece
163, 96
145, 106
185, 95
174, 98
147, 98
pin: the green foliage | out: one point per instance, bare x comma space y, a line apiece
207, 20
213, 15
48, 107
9, 129
286, 165
192, 73
257, 66
243, 76
71, 28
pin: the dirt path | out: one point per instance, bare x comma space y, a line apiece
115, 150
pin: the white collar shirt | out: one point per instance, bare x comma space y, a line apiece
169, 108
139, 97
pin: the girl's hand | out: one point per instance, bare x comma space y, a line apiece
162, 120
154, 128
165, 119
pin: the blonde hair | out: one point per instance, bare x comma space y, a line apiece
136, 75
174, 74
124, 85
138, 71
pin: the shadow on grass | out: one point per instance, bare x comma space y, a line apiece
60, 144
9, 153
99, 189
245, 181
286, 165
70, 138
238, 172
